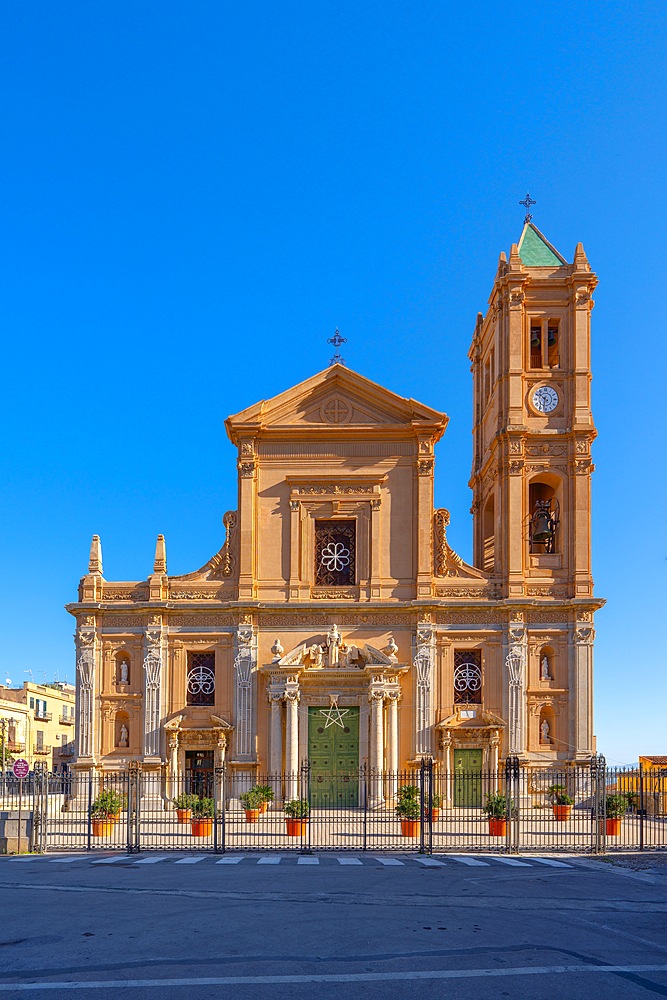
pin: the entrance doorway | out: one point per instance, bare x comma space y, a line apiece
468, 778
333, 752
199, 772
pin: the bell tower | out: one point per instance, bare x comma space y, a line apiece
533, 426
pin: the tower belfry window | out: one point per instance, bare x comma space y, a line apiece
544, 343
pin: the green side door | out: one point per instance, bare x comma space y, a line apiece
468, 778
333, 752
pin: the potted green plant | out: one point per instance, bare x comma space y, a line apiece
616, 806
266, 792
561, 802
104, 811
297, 813
497, 808
203, 811
252, 803
408, 810
183, 804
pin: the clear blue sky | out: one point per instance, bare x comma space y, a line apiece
194, 195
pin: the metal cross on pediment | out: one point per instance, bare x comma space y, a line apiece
334, 715
337, 340
528, 201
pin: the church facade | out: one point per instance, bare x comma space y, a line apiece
336, 605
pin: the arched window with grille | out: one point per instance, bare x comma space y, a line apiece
201, 679
467, 677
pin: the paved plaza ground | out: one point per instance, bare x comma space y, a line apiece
255, 925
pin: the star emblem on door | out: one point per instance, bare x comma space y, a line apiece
334, 715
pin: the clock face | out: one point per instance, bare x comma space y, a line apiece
545, 399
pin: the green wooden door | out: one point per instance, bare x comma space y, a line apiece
333, 751
468, 778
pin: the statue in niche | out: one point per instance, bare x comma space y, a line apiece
316, 654
544, 669
544, 732
124, 736
334, 639
124, 672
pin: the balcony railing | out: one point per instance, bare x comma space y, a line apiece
14, 747
66, 720
43, 716
67, 750
44, 750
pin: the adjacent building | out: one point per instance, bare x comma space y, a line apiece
37, 722
336, 623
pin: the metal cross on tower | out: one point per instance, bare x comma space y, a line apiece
528, 201
337, 340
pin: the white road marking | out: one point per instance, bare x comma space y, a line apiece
114, 859
231, 860
389, 861
431, 862
152, 860
67, 861
191, 860
345, 977
504, 860
270, 859
465, 860
550, 862
349, 861
308, 861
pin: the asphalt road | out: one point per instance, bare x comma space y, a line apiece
183, 925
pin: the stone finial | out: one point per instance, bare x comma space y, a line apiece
278, 650
160, 564
580, 258
95, 560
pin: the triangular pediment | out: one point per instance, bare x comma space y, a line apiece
336, 399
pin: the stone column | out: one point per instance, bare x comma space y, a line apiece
244, 669
423, 665
85, 695
292, 744
376, 750
447, 791
392, 743
580, 735
152, 691
515, 662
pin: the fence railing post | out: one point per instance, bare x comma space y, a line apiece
512, 804
305, 794
599, 805
642, 807
89, 835
218, 810
364, 785
133, 807
39, 807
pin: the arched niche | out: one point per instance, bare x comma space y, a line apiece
546, 658
546, 732
122, 667
122, 731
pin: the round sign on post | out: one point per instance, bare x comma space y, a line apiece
21, 768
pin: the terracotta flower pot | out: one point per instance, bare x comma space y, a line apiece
435, 814
252, 815
202, 827
613, 827
562, 813
264, 807
103, 827
497, 827
184, 815
295, 827
410, 827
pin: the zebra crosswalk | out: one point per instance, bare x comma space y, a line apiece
450, 861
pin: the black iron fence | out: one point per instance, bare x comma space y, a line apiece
589, 808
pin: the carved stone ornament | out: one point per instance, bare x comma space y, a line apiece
86, 638
317, 593
585, 634
86, 667
515, 447
246, 469
294, 505
425, 466
515, 467
153, 667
